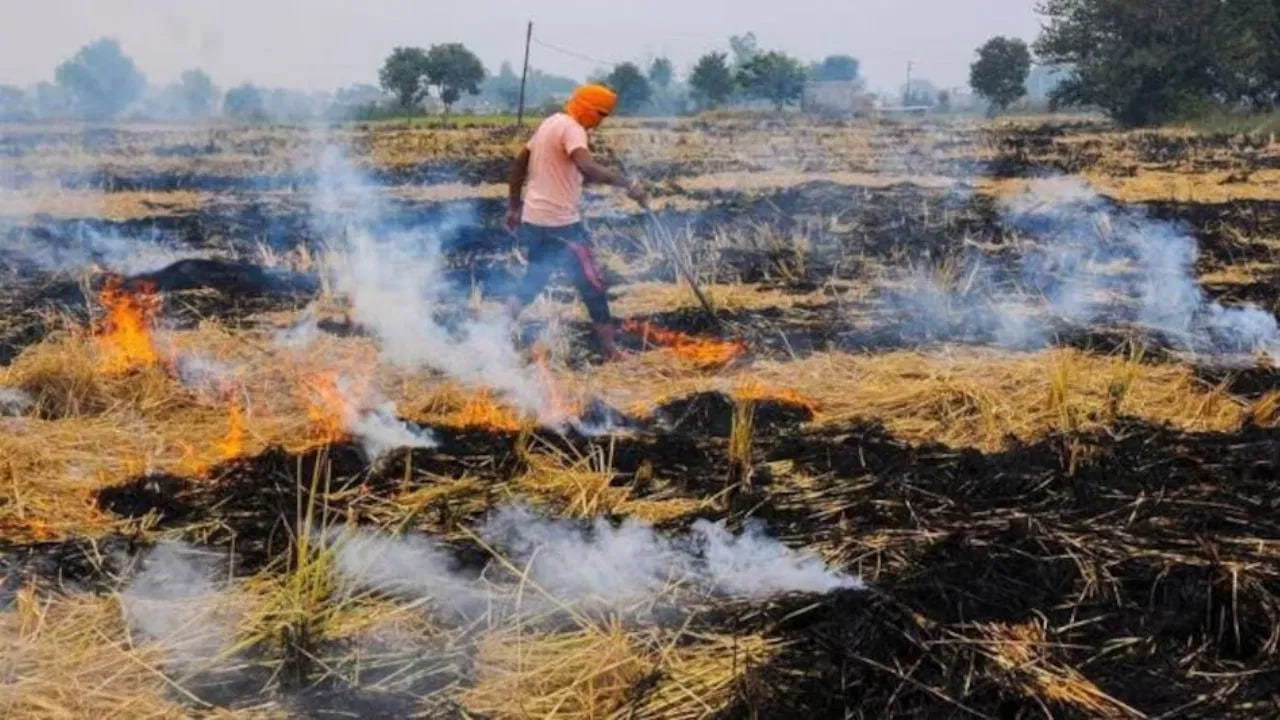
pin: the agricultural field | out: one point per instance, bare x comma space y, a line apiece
983, 421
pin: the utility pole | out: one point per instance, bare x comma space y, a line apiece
524, 74
906, 90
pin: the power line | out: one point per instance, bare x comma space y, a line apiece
572, 53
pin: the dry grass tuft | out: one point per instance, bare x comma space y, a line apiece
962, 397
583, 486
608, 672
72, 658
64, 379
1025, 654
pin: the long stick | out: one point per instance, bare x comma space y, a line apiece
677, 260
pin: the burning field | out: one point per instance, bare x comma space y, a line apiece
984, 424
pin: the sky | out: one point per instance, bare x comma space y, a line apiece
327, 44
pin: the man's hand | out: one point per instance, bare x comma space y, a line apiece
637, 192
513, 215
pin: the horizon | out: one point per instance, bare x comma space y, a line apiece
237, 42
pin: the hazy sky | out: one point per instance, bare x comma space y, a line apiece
325, 44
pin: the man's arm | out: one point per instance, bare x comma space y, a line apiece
515, 185
595, 172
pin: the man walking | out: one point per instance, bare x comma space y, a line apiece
550, 171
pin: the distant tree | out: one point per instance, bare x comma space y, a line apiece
454, 69
1148, 61
197, 92
744, 48
504, 88
101, 80
661, 72
837, 67
773, 76
944, 101
244, 103
13, 103
632, 87
1000, 72
404, 74
711, 80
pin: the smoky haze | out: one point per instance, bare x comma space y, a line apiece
326, 44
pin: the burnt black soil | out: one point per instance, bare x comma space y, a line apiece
1030, 152
1142, 532
190, 289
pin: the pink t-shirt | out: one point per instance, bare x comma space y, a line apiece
554, 182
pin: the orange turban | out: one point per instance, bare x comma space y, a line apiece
590, 104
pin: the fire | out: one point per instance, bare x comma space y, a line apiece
232, 444
329, 412
754, 390
700, 352
559, 408
481, 411
125, 339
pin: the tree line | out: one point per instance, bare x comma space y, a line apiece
1145, 62
411, 73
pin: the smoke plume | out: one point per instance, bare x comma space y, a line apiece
175, 603
13, 401
1092, 262
379, 430
596, 564
396, 285
86, 246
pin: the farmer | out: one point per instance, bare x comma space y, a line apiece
553, 164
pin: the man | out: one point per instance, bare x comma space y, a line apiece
553, 165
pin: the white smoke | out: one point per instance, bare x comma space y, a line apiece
1091, 262
395, 281
13, 401
175, 603
413, 566
754, 565
302, 333
596, 565
379, 431
202, 373
82, 247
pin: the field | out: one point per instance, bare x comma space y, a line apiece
983, 422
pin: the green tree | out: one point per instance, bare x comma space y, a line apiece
773, 76
101, 80
244, 103
404, 74
454, 69
632, 87
503, 88
661, 72
1147, 61
1000, 72
744, 48
711, 80
197, 92
837, 67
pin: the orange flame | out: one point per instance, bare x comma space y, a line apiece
125, 339
328, 410
481, 411
754, 390
191, 463
559, 408
700, 352
232, 444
